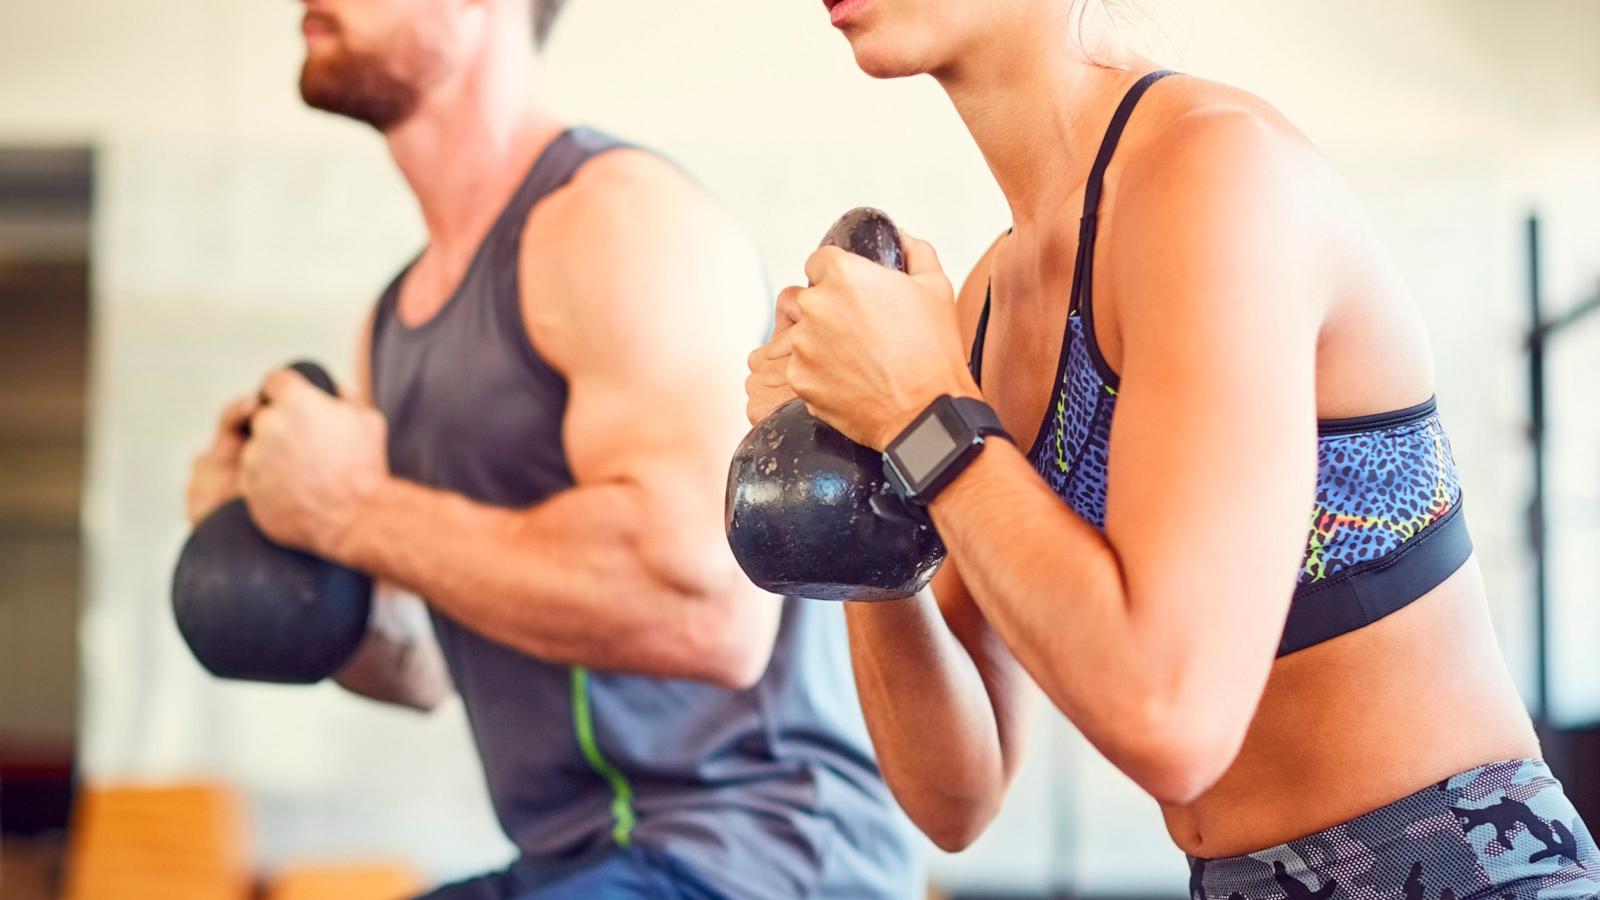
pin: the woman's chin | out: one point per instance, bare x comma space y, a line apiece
882, 62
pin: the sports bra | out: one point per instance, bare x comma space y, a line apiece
1386, 525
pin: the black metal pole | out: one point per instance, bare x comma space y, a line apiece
1537, 513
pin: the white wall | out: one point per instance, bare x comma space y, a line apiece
236, 230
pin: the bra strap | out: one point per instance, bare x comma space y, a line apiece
1082, 272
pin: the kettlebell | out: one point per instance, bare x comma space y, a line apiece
253, 610
808, 512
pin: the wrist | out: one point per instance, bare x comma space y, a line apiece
938, 446
958, 384
965, 485
349, 532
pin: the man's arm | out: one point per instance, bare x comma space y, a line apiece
399, 660
643, 295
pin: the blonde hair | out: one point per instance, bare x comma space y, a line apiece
1134, 22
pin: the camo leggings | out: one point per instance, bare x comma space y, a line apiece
1504, 830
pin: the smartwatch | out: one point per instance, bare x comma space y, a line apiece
937, 446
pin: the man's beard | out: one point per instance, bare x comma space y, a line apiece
359, 85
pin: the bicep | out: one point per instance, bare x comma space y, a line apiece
657, 295
1213, 449
656, 380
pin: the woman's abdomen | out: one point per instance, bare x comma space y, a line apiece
1352, 724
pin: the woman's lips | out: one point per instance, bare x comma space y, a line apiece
841, 11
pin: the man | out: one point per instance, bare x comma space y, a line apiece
551, 395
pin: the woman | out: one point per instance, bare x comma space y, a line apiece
1196, 340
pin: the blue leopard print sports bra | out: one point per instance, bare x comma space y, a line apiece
1386, 525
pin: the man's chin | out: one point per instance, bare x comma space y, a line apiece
356, 89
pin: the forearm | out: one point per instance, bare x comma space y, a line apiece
582, 578
1056, 592
399, 660
915, 681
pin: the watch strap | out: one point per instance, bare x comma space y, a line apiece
980, 418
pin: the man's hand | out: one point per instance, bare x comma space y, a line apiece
311, 462
214, 475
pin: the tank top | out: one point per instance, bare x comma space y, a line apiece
765, 792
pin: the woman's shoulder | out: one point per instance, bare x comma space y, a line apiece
1201, 151
1190, 127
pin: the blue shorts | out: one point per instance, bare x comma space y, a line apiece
634, 873
1504, 830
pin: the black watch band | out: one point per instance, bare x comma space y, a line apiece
939, 445
980, 418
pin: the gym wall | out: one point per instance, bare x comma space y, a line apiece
235, 230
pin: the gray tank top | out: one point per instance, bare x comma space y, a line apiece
766, 792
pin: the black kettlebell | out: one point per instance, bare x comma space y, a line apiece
253, 610
808, 512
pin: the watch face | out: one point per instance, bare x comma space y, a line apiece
924, 449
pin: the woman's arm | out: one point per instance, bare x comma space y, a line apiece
934, 666
948, 707
1155, 637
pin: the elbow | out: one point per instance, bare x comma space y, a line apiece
1179, 751
956, 836
952, 819
734, 667
731, 637
959, 824
1183, 778
724, 628
422, 695
429, 697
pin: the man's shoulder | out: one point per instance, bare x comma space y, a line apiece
632, 247
624, 191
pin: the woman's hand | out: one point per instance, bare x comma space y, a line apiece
869, 347
767, 387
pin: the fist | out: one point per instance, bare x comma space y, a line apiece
768, 388
214, 474
311, 463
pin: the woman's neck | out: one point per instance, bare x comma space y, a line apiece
1037, 107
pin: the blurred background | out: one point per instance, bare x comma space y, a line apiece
173, 223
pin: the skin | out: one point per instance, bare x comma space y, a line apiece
635, 287
1232, 266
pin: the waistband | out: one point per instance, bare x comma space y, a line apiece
1501, 827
